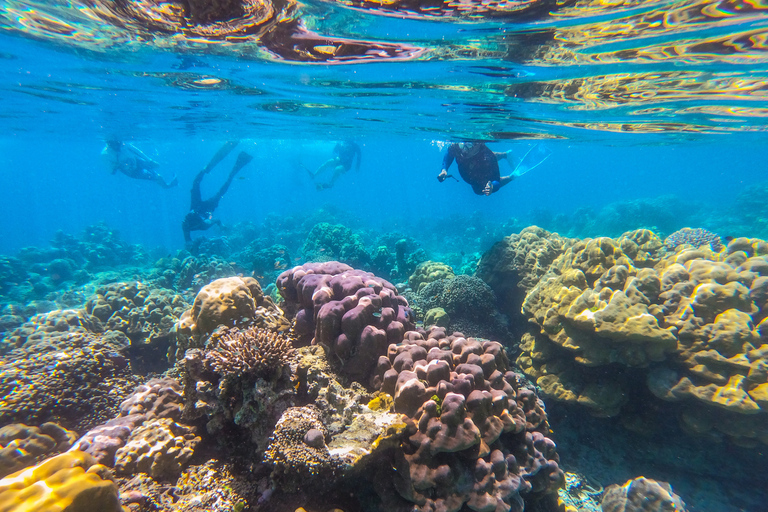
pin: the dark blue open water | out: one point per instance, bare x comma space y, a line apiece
653, 113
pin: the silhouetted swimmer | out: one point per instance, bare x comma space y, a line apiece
200, 216
345, 154
129, 160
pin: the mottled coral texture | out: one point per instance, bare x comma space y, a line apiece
691, 322
477, 436
352, 313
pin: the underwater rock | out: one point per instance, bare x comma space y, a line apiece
641, 495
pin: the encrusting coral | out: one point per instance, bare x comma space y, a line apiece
695, 319
641, 495
69, 482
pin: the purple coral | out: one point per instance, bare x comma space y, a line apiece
697, 237
352, 313
470, 421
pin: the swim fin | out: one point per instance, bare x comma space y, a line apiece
533, 158
242, 160
221, 154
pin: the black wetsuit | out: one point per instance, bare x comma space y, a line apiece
200, 216
477, 165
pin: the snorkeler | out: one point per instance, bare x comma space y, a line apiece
479, 166
200, 216
129, 160
345, 153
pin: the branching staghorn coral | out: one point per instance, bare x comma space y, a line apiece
252, 351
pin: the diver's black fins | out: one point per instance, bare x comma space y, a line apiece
242, 160
221, 154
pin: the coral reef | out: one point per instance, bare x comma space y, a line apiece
73, 377
157, 399
146, 315
228, 301
352, 313
213, 486
327, 242
469, 303
159, 447
692, 321
475, 435
696, 237
298, 447
22, 446
244, 405
69, 482
252, 351
641, 495
428, 272
513, 266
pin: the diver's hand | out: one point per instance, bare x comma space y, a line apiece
442, 176
488, 190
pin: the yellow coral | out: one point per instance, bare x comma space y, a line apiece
69, 482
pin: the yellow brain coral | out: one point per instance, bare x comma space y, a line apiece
70, 482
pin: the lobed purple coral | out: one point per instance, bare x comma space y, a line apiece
353, 314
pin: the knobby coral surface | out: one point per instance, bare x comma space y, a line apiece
693, 322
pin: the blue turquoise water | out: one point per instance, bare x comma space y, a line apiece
653, 114
675, 114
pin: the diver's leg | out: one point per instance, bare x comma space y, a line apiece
197, 199
333, 162
242, 160
337, 172
504, 180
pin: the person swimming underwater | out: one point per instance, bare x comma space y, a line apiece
479, 166
200, 216
345, 154
129, 160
